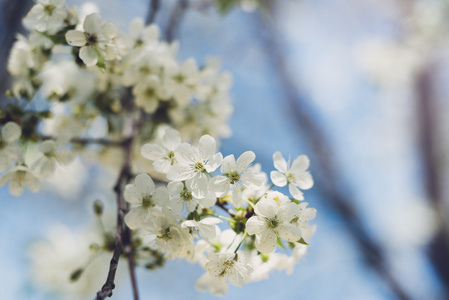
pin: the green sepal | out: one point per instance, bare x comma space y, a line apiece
279, 242
301, 241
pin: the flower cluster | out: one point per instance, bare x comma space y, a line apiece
124, 99
179, 219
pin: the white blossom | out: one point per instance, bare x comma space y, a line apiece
237, 174
46, 165
226, 265
46, 16
143, 195
11, 132
207, 226
19, 177
96, 41
181, 195
163, 156
194, 163
273, 221
295, 176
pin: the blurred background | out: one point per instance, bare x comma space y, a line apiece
359, 86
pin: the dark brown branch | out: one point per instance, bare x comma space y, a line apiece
223, 207
331, 189
426, 113
89, 141
175, 19
123, 235
154, 8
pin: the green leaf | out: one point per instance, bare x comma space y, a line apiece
295, 201
301, 241
279, 242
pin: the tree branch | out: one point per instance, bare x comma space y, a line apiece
154, 7
175, 19
123, 235
297, 108
426, 114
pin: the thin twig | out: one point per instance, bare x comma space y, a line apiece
154, 7
297, 107
89, 141
175, 19
432, 156
222, 206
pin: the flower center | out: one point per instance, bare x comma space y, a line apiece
272, 223
233, 176
179, 78
290, 178
228, 264
147, 202
91, 39
186, 195
138, 43
150, 92
199, 167
165, 235
48, 9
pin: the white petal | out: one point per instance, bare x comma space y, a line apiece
206, 147
16, 187
266, 241
132, 195
245, 160
278, 178
47, 146
32, 182
295, 192
144, 183
171, 139
300, 164
253, 179
75, 38
255, 225
237, 196
179, 173
4, 162
175, 188
89, 56
153, 151
208, 201
109, 30
219, 185
304, 181
6, 178
289, 232
136, 27
136, 217
162, 166
235, 277
266, 208
288, 211
92, 23
65, 157
11, 132
228, 165
160, 196
198, 186
214, 162
279, 162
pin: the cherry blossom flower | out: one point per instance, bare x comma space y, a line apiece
11, 132
238, 175
194, 162
144, 196
46, 165
207, 226
273, 221
46, 16
96, 40
296, 177
181, 196
19, 177
163, 156
227, 266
